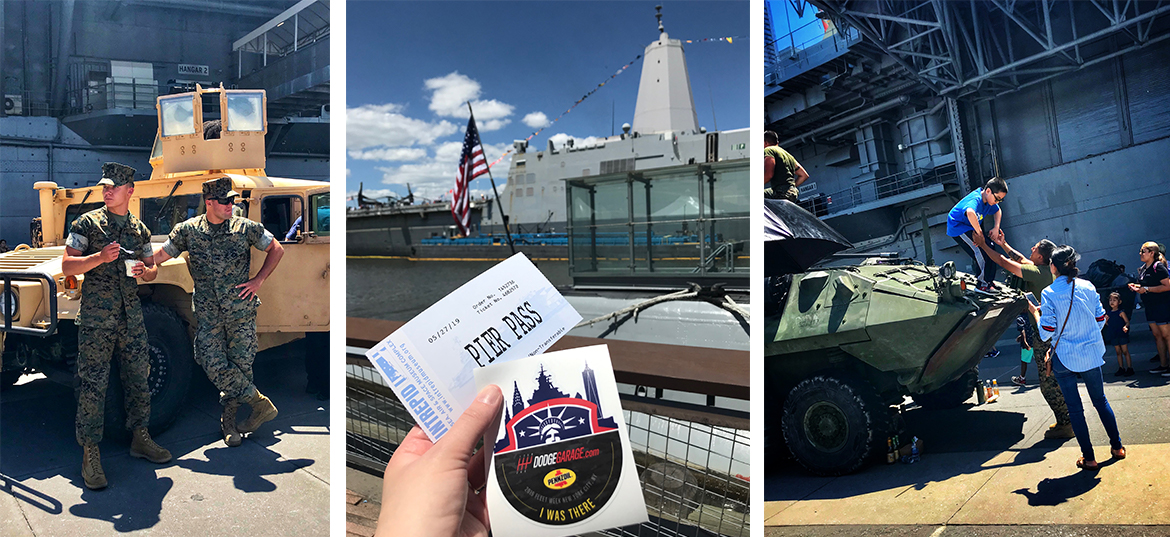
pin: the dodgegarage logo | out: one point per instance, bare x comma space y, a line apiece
558, 465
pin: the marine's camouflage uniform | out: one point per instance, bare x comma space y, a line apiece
1048, 386
109, 321
219, 260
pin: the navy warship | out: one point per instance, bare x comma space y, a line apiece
664, 139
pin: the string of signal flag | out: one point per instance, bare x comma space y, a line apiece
590, 93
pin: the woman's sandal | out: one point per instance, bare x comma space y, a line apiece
1087, 465
1117, 453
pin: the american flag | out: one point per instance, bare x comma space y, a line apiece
471, 165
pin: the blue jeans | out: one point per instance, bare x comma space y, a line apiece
1076, 410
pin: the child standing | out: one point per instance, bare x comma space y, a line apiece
1025, 351
1116, 333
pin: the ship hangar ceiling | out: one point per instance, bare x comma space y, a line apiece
880, 50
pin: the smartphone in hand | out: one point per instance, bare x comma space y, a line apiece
1032, 298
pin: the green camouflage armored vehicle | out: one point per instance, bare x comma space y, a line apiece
844, 344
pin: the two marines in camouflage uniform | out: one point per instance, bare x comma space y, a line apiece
110, 319
225, 300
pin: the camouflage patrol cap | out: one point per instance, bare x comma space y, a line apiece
115, 174
219, 189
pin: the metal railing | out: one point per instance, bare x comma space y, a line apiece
128, 93
892, 185
794, 58
29, 103
692, 460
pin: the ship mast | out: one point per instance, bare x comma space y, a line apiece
665, 103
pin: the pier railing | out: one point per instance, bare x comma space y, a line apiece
692, 458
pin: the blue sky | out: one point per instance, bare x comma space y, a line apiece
411, 65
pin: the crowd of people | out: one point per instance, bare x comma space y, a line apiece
1067, 328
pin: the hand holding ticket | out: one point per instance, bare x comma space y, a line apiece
510, 311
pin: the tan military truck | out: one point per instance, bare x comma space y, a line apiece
38, 305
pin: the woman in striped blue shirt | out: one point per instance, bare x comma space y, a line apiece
1071, 317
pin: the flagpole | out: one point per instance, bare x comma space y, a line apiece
499, 204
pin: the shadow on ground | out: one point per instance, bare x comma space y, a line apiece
980, 436
37, 428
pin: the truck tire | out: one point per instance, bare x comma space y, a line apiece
951, 394
171, 363
834, 425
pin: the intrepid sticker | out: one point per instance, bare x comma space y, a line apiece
560, 457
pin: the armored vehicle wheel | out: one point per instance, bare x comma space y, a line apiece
171, 362
951, 394
834, 425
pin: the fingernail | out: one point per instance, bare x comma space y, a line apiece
490, 395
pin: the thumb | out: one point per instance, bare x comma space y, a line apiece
469, 428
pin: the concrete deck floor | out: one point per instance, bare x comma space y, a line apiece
990, 466
276, 483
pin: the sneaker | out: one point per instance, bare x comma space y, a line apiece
992, 353
1019, 381
1165, 374
1120, 371
1159, 370
1129, 371
985, 287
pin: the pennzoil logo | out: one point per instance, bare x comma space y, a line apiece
559, 479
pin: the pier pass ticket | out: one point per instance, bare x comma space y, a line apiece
508, 312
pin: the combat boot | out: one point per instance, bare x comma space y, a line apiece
143, 447
262, 411
1059, 431
227, 424
91, 467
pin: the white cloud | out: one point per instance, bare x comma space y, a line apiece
434, 176
491, 109
450, 94
491, 124
388, 153
373, 125
536, 120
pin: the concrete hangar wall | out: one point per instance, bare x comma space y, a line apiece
1084, 155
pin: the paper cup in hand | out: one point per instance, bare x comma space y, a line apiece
130, 264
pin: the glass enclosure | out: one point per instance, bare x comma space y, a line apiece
682, 220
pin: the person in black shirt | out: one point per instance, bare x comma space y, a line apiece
1154, 286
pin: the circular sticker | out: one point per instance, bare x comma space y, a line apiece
561, 482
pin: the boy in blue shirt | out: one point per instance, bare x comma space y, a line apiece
965, 225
